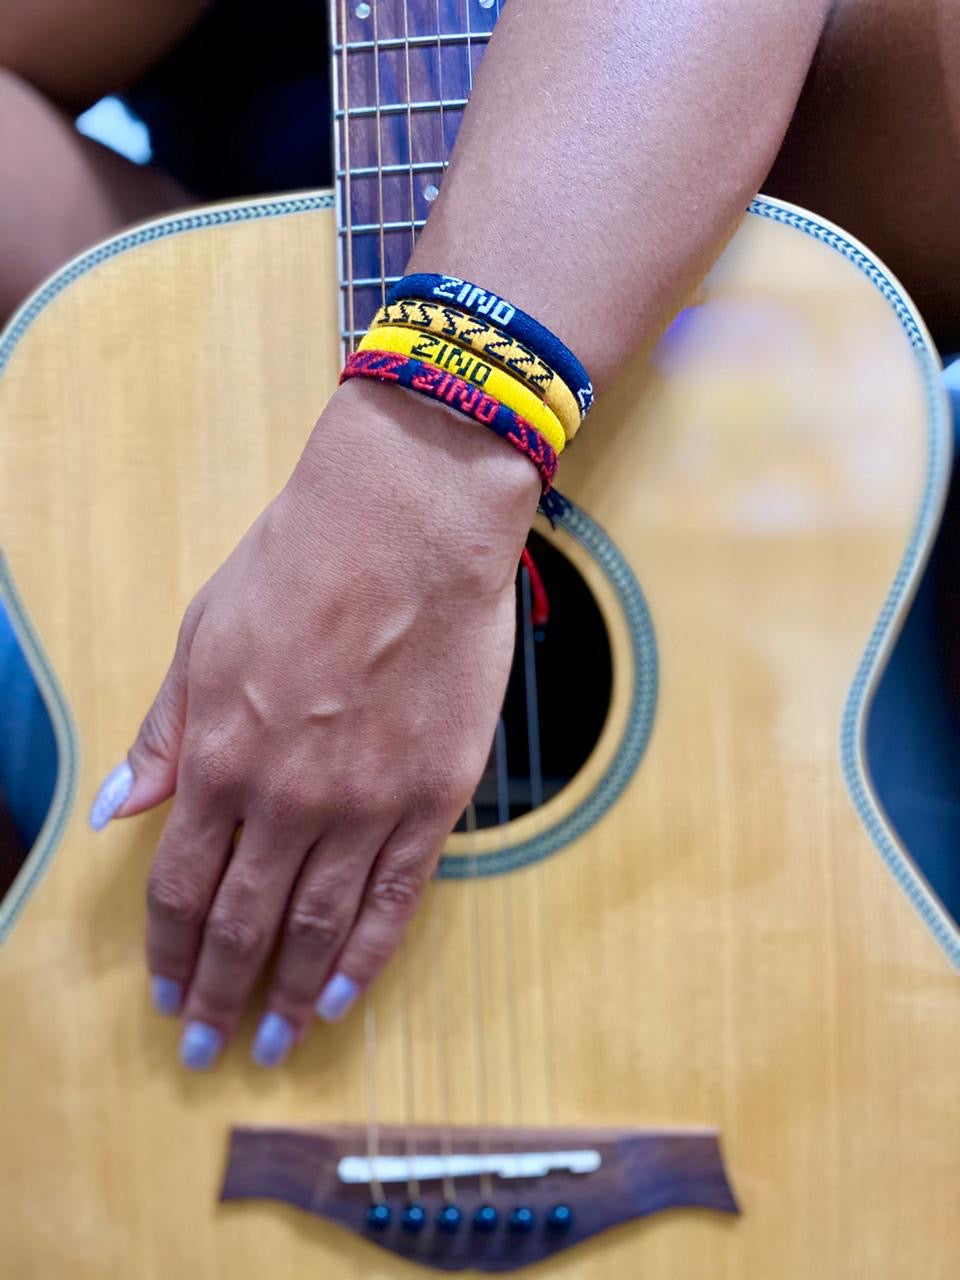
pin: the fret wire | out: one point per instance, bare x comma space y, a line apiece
399, 108
371, 228
370, 282
397, 42
371, 170
407, 180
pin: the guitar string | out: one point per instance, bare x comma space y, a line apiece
530, 691
369, 1011
507, 905
437, 931
409, 1077
409, 96
480, 1039
439, 892
443, 129
534, 767
546, 972
536, 800
340, 40
409, 1072
507, 896
486, 1186
369, 1032
370, 1025
517, 1099
502, 788
373, 1128
438, 935
469, 35
377, 116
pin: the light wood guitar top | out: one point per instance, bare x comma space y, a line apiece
718, 941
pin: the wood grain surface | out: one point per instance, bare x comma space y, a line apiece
724, 948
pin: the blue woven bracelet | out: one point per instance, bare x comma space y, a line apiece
479, 302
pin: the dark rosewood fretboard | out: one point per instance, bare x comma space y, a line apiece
402, 73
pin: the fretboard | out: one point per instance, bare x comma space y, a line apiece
402, 73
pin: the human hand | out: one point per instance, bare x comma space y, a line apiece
333, 696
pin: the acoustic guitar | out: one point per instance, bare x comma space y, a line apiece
679, 1002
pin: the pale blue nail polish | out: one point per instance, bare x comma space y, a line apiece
337, 997
167, 995
114, 791
273, 1041
199, 1045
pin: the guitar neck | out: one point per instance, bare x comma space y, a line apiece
402, 72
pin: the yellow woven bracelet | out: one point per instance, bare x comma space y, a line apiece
491, 343
465, 364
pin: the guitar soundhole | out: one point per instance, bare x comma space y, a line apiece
558, 694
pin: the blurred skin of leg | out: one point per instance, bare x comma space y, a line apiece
75, 51
61, 191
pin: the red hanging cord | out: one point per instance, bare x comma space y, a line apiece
540, 602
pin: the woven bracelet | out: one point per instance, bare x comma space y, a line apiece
457, 360
490, 343
514, 322
472, 402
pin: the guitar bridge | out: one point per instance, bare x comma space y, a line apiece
488, 1199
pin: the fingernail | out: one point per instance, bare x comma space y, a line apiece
167, 995
337, 997
199, 1046
273, 1040
114, 791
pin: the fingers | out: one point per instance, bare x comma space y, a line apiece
393, 891
352, 901
148, 776
322, 911
238, 933
188, 865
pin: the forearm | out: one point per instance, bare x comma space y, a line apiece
608, 151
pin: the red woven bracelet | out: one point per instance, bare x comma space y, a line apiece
472, 402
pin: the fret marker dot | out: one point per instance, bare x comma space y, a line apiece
486, 4
430, 193
363, 10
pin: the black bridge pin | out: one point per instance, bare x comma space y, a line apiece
414, 1218
522, 1220
448, 1219
486, 1218
378, 1216
559, 1218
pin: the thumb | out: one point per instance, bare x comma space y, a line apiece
148, 776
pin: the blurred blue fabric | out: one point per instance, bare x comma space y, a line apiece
913, 737
28, 749
913, 733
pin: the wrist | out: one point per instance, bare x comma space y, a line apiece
420, 478
441, 434
428, 450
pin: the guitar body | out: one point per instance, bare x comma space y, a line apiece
703, 926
